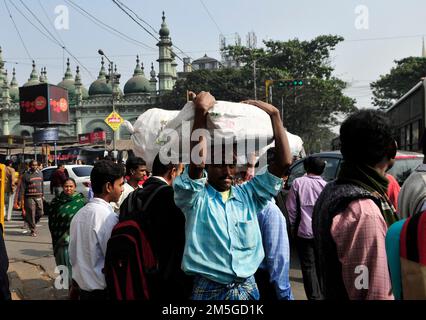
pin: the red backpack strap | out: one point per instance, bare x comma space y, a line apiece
421, 238
412, 238
403, 240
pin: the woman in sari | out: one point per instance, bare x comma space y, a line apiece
62, 209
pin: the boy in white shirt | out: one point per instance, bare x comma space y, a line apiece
91, 229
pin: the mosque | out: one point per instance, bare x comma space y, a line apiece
89, 107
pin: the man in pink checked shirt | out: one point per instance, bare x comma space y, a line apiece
353, 213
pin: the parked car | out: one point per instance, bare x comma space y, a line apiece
80, 173
405, 163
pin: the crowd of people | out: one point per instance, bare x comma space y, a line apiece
210, 233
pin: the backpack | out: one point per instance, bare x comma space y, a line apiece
130, 265
413, 257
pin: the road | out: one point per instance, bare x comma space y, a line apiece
32, 265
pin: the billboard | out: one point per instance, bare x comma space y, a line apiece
46, 135
98, 136
84, 138
43, 104
93, 137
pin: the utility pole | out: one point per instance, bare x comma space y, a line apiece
111, 78
112, 103
254, 80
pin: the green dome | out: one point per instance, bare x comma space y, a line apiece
69, 85
68, 82
34, 79
138, 83
164, 31
99, 87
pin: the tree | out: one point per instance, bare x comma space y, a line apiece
308, 111
392, 86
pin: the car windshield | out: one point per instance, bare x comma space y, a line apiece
82, 171
403, 168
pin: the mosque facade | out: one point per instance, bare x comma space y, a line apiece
89, 107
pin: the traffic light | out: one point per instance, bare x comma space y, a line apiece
289, 83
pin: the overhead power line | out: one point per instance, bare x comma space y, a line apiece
122, 8
220, 84
56, 32
137, 16
50, 36
105, 26
211, 17
17, 30
50, 22
26, 18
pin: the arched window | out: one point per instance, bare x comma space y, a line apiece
25, 133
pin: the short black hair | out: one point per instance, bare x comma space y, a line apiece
366, 137
133, 163
314, 165
160, 169
105, 171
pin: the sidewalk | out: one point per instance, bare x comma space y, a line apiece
31, 262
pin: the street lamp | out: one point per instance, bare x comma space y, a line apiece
111, 78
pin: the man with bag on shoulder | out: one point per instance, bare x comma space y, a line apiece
223, 247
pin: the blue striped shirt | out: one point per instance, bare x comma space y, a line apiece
223, 240
277, 249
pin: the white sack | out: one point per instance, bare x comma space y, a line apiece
236, 121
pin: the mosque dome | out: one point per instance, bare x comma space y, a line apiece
34, 79
138, 83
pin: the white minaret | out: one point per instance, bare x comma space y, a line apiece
165, 74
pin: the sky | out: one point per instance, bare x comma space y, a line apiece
376, 33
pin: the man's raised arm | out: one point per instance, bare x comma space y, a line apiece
283, 158
203, 102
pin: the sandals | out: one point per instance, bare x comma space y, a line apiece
33, 234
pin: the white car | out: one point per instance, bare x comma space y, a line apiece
80, 173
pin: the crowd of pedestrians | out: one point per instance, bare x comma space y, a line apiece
204, 232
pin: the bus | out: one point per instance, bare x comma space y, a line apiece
408, 117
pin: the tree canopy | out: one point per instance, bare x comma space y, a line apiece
309, 111
401, 78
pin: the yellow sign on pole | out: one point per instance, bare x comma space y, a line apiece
114, 120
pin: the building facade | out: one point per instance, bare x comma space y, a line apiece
89, 107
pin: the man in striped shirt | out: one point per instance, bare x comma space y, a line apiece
32, 186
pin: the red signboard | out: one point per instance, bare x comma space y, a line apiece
84, 138
98, 136
43, 104
93, 137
